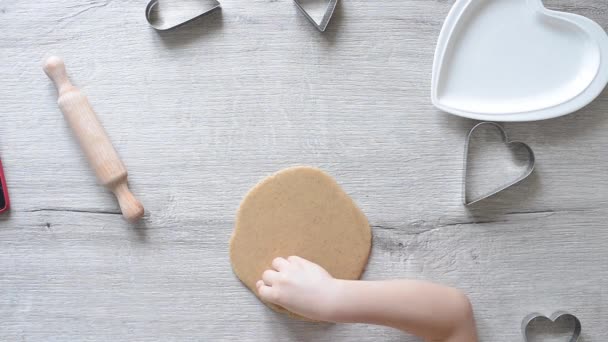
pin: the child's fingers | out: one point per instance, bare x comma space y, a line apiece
269, 277
267, 293
279, 264
294, 258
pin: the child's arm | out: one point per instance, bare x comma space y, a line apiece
433, 312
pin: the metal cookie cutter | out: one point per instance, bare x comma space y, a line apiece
329, 12
576, 334
529, 168
162, 24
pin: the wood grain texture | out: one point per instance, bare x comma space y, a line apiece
200, 114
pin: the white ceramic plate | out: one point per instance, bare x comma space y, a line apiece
515, 60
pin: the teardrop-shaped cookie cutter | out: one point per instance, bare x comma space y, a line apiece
164, 25
329, 12
466, 200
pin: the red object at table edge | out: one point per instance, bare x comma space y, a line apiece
7, 202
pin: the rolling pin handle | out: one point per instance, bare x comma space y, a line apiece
131, 208
55, 69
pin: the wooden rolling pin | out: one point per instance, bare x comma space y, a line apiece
93, 139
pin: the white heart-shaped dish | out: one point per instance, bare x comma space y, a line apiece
515, 60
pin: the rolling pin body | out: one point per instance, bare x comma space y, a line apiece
93, 139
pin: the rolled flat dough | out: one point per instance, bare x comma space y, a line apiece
299, 211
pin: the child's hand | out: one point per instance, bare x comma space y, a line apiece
299, 286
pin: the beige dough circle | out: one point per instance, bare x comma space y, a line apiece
299, 211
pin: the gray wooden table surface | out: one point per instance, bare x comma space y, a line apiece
202, 113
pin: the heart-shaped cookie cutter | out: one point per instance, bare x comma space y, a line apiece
329, 12
164, 25
529, 168
576, 334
